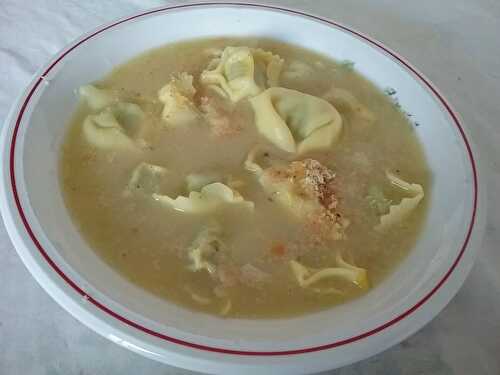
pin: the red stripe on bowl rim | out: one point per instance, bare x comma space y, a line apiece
193, 345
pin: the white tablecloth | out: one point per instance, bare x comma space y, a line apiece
456, 43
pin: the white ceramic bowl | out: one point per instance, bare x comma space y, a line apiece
60, 260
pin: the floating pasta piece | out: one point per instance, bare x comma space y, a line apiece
399, 212
306, 188
307, 276
242, 72
294, 121
287, 190
261, 157
202, 300
177, 97
226, 307
205, 255
297, 185
297, 70
209, 198
96, 98
114, 127
344, 100
267, 68
204, 247
146, 179
196, 181
233, 77
251, 164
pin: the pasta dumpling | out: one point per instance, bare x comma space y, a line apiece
344, 100
306, 188
196, 181
95, 98
177, 98
205, 245
114, 127
242, 72
297, 70
399, 212
209, 198
267, 68
146, 179
307, 276
204, 255
294, 121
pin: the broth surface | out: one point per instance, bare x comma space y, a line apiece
148, 243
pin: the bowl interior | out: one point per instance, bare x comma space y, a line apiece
45, 122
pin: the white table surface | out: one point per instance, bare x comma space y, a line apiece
456, 43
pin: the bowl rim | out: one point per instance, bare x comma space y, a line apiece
100, 306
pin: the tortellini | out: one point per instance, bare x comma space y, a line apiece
115, 127
345, 100
196, 181
146, 179
399, 212
204, 255
242, 72
305, 188
267, 68
307, 276
298, 70
205, 245
177, 97
294, 121
208, 199
96, 98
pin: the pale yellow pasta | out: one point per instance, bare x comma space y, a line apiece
267, 68
146, 179
196, 181
114, 127
304, 188
294, 121
297, 70
399, 212
205, 245
208, 199
307, 276
96, 98
343, 99
177, 98
242, 72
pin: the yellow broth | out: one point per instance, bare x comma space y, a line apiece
147, 242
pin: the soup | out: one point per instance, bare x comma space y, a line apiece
244, 178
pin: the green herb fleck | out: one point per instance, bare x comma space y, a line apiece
390, 91
347, 64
